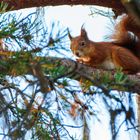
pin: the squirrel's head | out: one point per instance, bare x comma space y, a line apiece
79, 44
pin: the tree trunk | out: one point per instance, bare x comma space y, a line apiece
20, 4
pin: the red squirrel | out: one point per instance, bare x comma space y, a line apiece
123, 52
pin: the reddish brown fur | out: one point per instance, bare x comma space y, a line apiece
127, 34
106, 55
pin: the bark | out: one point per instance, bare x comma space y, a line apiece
94, 75
21, 4
73, 70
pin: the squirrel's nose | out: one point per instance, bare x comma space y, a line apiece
77, 54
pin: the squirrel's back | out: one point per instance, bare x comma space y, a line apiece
123, 52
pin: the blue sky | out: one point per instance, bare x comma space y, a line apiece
75, 16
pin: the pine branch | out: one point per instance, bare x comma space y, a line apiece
96, 76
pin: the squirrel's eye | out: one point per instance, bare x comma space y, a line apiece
82, 43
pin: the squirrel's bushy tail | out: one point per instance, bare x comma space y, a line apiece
121, 35
125, 34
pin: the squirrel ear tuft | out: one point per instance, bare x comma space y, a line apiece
70, 37
83, 32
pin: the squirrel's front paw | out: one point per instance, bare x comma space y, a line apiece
79, 60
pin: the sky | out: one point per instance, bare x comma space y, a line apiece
74, 17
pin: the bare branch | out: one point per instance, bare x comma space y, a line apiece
20, 4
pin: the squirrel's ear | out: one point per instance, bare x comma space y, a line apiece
83, 32
70, 37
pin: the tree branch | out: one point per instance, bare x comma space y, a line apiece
72, 69
20, 4
132, 84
